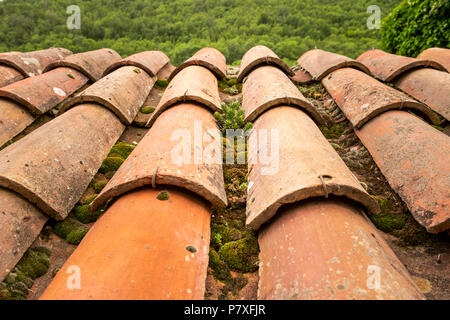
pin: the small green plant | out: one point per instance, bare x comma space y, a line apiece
161, 83
71, 230
232, 118
147, 109
163, 195
34, 264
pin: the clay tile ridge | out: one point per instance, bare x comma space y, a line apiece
261, 55
33, 63
387, 66
152, 163
41, 93
209, 58
123, 92
267, 87
92, 63
439, 55
362, 97
308, 167
319, 63
149, 61
192, 84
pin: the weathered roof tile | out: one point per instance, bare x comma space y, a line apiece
210, 58
192, 84
41, 93
9, 75
149, 61
319, 63
387, 66
307, 167
20, 224
439, 55
33, 63
413, 157
261, 55
92, 63
429, 86
267, 87
152, 162
123, 92
52, 166
148, 238
13, 119
362, 98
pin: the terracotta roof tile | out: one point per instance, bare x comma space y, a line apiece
92, 63
319, 63
191, 84
210, 58
429, 86
14, 120
151, 163
304, 157
361, 97
412, 156
9, 75
268, 87
41, 93
301, 76
387, 66
52, 166
20, 224
123, 92
149, 61
148, 238
258, 56
33, 63
439, 55
324, 249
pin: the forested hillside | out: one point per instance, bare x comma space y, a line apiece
180, 27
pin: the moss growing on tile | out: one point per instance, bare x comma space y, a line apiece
111, 164
147, 109
110, 174
163, 195
333, 131
89, 199
388, 222
241, 255
122, 149
83, 214
34, 264
161, 83
99, 185
219, 268
222, 234
71, 230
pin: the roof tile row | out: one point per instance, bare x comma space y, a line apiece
267, 87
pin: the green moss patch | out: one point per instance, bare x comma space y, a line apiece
111, 164
162, 83
34, 264
147, 109
241, 255
83, 214
163, 195
122, 149
71, 230
99, 185
333, 131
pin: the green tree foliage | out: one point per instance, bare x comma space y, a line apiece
181, 27
416, 25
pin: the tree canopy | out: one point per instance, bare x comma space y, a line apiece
181, 27
416, 25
